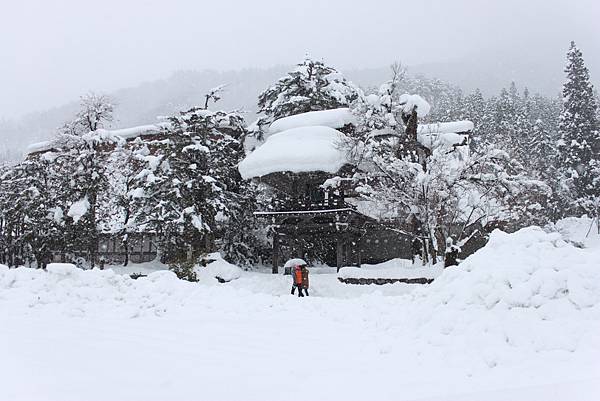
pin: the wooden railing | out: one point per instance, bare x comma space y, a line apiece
307, 203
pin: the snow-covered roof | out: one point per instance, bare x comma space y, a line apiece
133, 132
334, 118
40, 147
297, 150
445, 128
443, 134
435, 140
124, 133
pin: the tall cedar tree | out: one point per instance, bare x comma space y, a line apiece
579, 138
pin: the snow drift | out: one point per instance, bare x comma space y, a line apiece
527, 269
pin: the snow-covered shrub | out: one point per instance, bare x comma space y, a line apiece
184, 270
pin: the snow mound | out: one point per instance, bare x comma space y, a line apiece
582, 231
76, 292
220, 268
526, 269
297, 150
335, 118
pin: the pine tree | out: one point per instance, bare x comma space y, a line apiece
579, 137
86, 179
505, 113
311, 86
189, 190
522, 128
475, 110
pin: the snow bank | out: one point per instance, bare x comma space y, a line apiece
582, 231
335, 118
395, 272
526, 269
297, 150
76, 292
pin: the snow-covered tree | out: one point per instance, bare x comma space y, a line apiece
311, 86
31, 220
443, 190
95, 111
189, 190
475, 110
86, 179
579, 142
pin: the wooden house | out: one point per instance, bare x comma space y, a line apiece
314, 222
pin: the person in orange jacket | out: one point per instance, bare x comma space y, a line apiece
300, 280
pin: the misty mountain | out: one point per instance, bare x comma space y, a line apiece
142, 104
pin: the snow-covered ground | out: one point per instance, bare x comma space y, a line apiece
518, 320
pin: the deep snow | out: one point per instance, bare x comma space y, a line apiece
517, 320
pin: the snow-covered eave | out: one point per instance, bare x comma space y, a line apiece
40, 147
446, 128
435, 140
334, 118
298, 150
134, 132
104, 134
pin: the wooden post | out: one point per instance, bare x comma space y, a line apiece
339, 255
358, 252
275, 253
348, 250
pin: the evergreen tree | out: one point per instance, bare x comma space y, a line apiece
311, 86
579, 138
189, 190
86, 179
475, 110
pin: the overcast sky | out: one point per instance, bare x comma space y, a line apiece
54, 50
